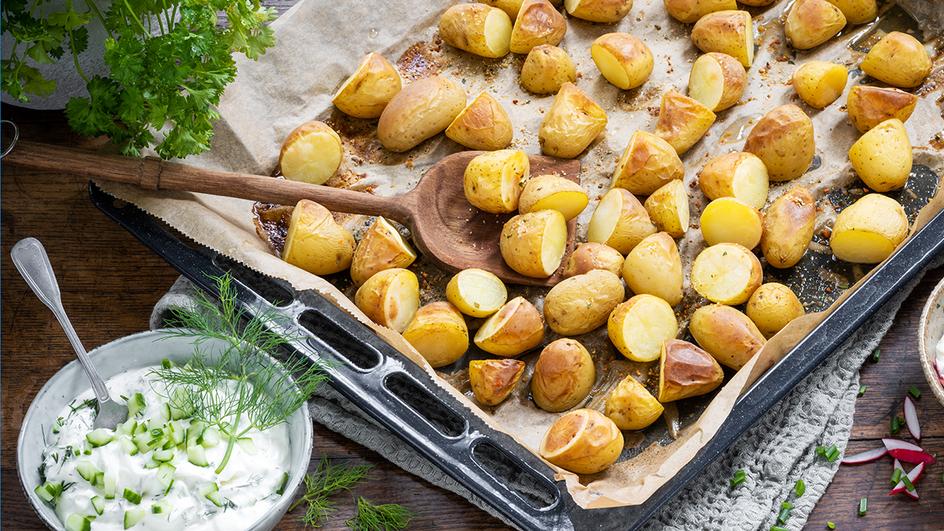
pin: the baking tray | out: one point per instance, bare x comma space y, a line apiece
402, 398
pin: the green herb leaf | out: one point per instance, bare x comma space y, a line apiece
876, 354
830, 525
327, 480
896, 423
386, 517
896, 476
862, 389
799, 488
914, 392
739, 477
863, 506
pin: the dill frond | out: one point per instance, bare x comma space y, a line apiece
327, 480
385, 517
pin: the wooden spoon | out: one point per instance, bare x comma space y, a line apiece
445, 227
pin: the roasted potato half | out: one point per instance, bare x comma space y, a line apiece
476, 292
624, 60
584, 441
483, 124
571, 124
788, 227
546, 69
380, 248
783, 140
647, 163
868, 231
493, 380
563, 376
655, 267
882, 157
390, 298
423, 109
311, 153
582, 303
553, 192
727, 220
772, 307
717, 80
639, 326
315, 242
631, 406
899, 60
492, 181
477, 29
510, 7
538, 23
439, 333
605, 11
812, 22
869, 106
619, 221
819, 83
668, 208
857, 11
685, 371
516, 328
740, 175
369, 89
726, 273
533, 244
730, 32
727, 334
682, 120
589, 256
689, 11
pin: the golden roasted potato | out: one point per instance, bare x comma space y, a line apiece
686, 371
510, 7
668, 208
647, 163
689, 11
857, 11
619, 221
547, 68
311, 153
655, 267
589, 256
727, 334
819, 83
571, 124
899, 60
492, 181
757, 3
740, 175
727, 220
493, 380
868, 231
631, 406
553, 192
423, 109
772, 307
870, 106
439, 333
380, 248
812, 22
538, 23
369, 89
581, 303
563, 376
726, 273
584, 441
315, 242
882, 157
517, 327
788, 227
483, 124
783, 140
639, 326
606, 11
476, 292
477, 29
717, 80
624, 60
390, 298
730, 32
682, 120
533, 244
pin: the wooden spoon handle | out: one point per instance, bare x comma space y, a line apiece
156, 174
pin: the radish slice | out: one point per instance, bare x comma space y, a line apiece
911, 419
865, 457
907, 452
913, 477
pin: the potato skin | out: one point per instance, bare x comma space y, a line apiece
553, 192
632, 226
819, 83
707, 273
589, 256
520, 329
727, 334
538, 23
421, 110
634, 57
788, 228
295, 163
522, 240
484, 124
563, 376
668, 208
463, 26
718, 178
682, 120
783, 139
729, 31
485, 180
373, 297
631, 406
882, 157
315, 242
493, 380
733, 79
857, 11
812, 22
772, 307
547, 68
380, 248
655, 267
571, 124
899, 60
584, 441
868, 231
510, 7
647, 163
439, 333
582, 303
685, 371
369, 89
689, 11
869, 106
605, 11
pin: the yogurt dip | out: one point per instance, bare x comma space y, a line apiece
939, 360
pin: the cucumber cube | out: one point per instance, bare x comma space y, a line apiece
87, 470
163, 456
197, 456
131, 496
212, 493
98, 503
136, 404
99, 437
247, 445
194, 433
210, 437
162, 507
133, 516
78, 522
280, 490
165, 474
109, 485
49, 492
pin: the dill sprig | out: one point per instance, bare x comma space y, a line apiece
327, 480
385, 517
240, 389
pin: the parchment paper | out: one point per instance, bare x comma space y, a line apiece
321, 42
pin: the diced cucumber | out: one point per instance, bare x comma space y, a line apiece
78, 522
99, 437
194, 433
165, 474
140, 427
98, 503
162, 507
128, 446
163, 456
133, 516
127, 427
168, 444
178, 432
168, 414
99, 481
87, 470
109, 485
131, 496
210, 437
151, 464
212, 493
197, 456
49, 492
136, 404
280, 490
247, 445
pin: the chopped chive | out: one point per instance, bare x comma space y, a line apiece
896, 476
833, 453
896, 424
876, 354
799, 488
863, 506
830, 525
778, 528
739, 477
909, 486
862, 389
784, 515
821, 451
914, 392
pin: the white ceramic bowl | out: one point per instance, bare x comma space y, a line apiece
930, 332
145, 349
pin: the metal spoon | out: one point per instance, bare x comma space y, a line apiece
31, 261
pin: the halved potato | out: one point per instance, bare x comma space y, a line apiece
563, 376
870, 106
819, 83
311, 153
729, 31
553, 192
726, 273
882, 157
788, 227
783, 140
639, 326
581, 303
740, 175
624, 60
812, 22
631, 406
727, 334
717, 80
727, 220
689, 11
546, 69
868, 231
584, 441
682, 120
668, 208
380, 248
483, 124
589, 256
477, 29
315, 242
605, 11
516, 327
369, 89
538, 23
686, 371
423, 109
476, 292
533, 244
647, 163
493, 380
510, 7
492, 181
772, 307
390, 298
757, 3
571, 124
655, 267
619, 221
899, 60
857, 11
439, 333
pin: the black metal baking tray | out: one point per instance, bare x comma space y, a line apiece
501, 474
